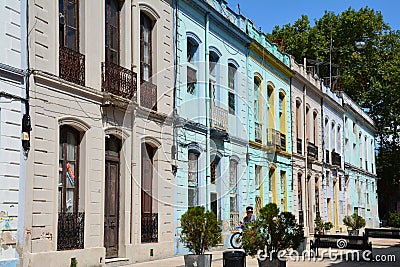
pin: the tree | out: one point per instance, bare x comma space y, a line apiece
370, 76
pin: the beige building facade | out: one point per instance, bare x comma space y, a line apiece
100, 171
307, 145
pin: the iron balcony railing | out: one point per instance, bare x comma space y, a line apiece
283, 141
299, 146
70, 233
258, 132
148, 95
273, 138
312, 150
219, 118
334, 81
149, 228
336, 159
71, 66
118, 81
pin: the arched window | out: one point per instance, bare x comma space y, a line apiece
232, 70
112, 31
257, 92
271, 106
193, 183
308, 123
68, 178
149, 216
315, 128
192, 48
146, 43
214, 77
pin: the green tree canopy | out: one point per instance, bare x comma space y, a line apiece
371, 76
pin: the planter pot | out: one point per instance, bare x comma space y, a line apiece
327, 232
353, 232
271, 263
193, 260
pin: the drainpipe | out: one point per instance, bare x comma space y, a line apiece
306, 201
207, 102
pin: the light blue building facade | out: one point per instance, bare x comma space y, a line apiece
270, 145
13, 66
360, 167
211, 106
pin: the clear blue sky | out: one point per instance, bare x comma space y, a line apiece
268, 13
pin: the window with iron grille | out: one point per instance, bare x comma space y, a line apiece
146, 57
68, 175
112, 31
70, 225
193, 179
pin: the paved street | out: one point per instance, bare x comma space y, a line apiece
381, 248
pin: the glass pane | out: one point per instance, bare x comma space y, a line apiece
114, 38
114, 13
72, 18
146, 72
71, 178
146, 53
69, 205
71, 38
113, 56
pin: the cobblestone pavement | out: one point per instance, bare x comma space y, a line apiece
382, 249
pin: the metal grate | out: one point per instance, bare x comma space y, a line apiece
70, 233
148, 95
118, 81
149, 227
72, 66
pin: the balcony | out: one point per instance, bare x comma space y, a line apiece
336, 159
299, 146
72, 66
312, 151
70, 233
148, 95
219, 118
273, 138
283, 141
327, 156
118, 81
258, 132
149, 228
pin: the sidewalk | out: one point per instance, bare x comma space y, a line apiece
380, 247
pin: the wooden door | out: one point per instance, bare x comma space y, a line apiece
111, 212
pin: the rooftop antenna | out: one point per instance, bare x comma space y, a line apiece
238, 9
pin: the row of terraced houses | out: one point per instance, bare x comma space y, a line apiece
118, 115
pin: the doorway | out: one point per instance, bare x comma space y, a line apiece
111, 206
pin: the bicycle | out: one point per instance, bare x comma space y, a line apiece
236, 238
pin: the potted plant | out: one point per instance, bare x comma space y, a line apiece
353, 223
270, 235
319, 225
200, 231
327, 227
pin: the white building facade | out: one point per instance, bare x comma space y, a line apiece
100, 171
13, 107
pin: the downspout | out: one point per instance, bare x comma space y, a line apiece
306, 201
23, 155
207, 111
